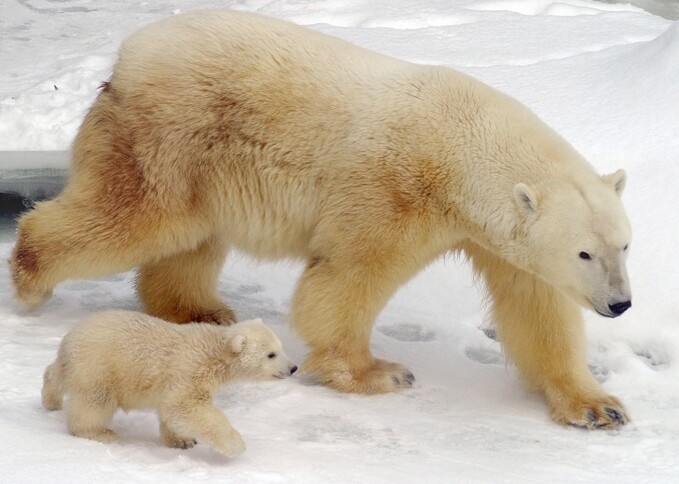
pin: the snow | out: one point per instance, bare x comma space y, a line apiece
605, 76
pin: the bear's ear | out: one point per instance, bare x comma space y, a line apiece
617, 180
525, 198
237, 343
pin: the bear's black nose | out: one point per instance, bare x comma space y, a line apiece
293, 369
619, 308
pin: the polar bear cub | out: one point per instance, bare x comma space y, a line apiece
128, 360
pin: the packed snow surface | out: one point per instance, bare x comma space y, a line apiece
606, 76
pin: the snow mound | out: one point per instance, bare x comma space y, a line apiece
604, 76
656, 58
549, 7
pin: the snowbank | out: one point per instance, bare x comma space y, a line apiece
605, 76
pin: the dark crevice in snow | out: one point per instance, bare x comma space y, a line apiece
11, 204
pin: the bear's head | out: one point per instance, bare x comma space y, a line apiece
258, 351
577, 237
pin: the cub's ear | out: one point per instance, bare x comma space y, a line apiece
525, 198
237, 343
617, 180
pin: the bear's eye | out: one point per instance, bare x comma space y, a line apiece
585, 256
625, 247
271, 355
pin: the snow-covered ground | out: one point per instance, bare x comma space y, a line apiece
606, 76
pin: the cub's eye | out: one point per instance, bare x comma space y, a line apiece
271, 355
625, 247
585, 256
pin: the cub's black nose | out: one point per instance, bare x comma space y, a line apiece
619, 308
293, 369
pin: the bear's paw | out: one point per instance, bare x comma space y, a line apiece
605, 413
380, 377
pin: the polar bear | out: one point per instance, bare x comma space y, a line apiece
221, 130
129, 360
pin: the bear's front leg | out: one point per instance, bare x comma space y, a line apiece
546, 339
542, 332
334, 308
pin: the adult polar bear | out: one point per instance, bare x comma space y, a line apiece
221, 129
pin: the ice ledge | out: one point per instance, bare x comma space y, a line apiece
33, 175
18, 160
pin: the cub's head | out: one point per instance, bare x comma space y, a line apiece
577, 239
258, 351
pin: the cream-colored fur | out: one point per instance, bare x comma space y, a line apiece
128, 360
223, 130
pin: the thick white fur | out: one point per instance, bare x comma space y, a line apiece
223, 130
128, 360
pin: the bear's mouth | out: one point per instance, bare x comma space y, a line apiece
615, 314
606, 315
601, 312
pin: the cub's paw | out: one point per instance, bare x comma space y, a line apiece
171, 439
231, 447
106, 435
180, 443
598, 413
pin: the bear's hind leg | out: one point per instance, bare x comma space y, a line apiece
88, 416
183, 287
543, 333
334, 308
77, 236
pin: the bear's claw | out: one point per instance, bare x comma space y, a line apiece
616, 415
587, 409
406, 379
598, 417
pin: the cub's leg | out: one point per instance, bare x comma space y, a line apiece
334, 307
183, 287
78, 236
171, 439
205, 422
542, 332
53, 386
88, 414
